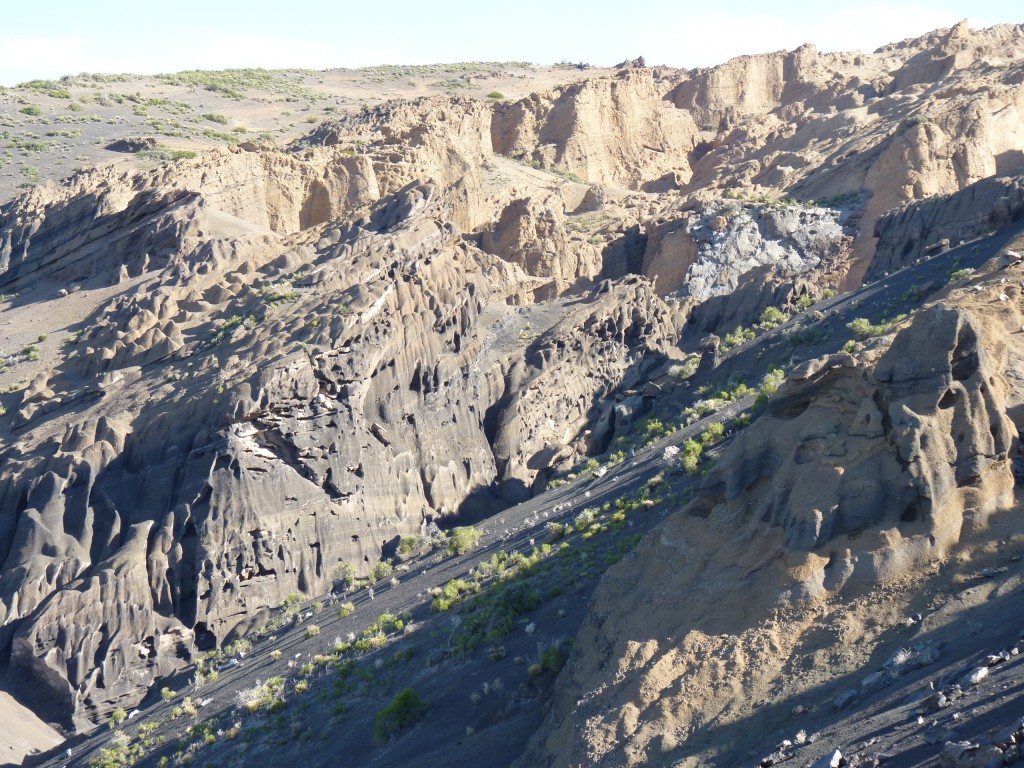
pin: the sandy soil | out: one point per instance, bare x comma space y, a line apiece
22, 733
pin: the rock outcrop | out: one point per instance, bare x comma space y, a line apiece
856, 477
273, 393
938, 223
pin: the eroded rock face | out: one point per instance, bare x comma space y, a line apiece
708, 254
855, 477
307, 353
265, 404
921, 229
608, 130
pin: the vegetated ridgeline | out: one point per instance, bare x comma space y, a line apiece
283, 361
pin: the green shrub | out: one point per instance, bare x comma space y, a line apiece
686, 369
556, 531
409, 543
381, 571
691, 456
553, 659
863, 329
263, 695
117, 717
404, 711
453, 593
33, 110
961, 274
495, 95
771, 317
344, 576
585, 519
712, 434
463, 539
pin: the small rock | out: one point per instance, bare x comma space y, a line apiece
936, 701
957, 754
872, 682
62, 292
975, 676
833, 759
940, 734
846, 698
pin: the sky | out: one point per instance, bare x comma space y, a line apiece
50, 38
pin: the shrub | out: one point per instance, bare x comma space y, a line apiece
117, 717
291, 604
960, 274
34, 110
381, 571
463, 539
771, 317
556, 531
691, 456
863, 329
452, 593
345, 609
187, 708
585, 519
312, 630
344, 576
242, 645
686, 369
409, 543
712, 434
166, 694
495, 95
553, 659
120, 752
262, 695
404, 711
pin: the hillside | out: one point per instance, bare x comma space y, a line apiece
722, 366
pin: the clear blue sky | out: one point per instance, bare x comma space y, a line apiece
49, 38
